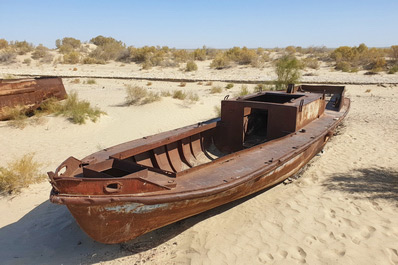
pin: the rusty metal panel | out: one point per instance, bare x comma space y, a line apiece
29, 93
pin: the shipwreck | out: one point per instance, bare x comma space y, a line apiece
124, 191
28, 93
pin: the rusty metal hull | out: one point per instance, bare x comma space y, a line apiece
29, 93
162, 182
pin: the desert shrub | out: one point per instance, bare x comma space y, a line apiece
287, 69
27, 61
91, 82
22, 47
179, 94
78, 111
71, 57
134, 94
393, 69
182, 84
199, 54
221, 61
181, 56
19, 174
75, 81
343, 66
241, 56
310, 63
393, 53
39, 52
243, 91
7, 56
68, 45
3, 44
16, 116
215, 89
108, 49
149, 83
151, 97
193, 97
259, 88
165, 94
290, 50
229, 86
91, 60
191, 66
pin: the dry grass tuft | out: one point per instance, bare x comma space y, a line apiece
137, 95
179, 94
19, 174
215, 89
243, 91
91, 82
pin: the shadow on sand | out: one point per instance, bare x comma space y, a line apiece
371, 183
49, 235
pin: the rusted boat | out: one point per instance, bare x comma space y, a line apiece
127, 190
29, 93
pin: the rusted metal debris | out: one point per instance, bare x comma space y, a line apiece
260, 140
29, 93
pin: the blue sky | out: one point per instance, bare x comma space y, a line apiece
216, 24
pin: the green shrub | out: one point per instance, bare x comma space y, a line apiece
191, 66
287, 69
68, 45
179, 94
215, 89
19, 174
393, 69
229, 86
78, 111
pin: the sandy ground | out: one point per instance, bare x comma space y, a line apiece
342, 210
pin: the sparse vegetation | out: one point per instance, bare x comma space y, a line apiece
229, 86
19, 174
393, 69
191, 66
260, 87
179, 94
149, 83
137, 95
108, 49
192, 97
287, 69
91, 82
75, 81
165, 94
182, 84
243, 91
215, 89
72, 57
209, 83
16, 116
68, 45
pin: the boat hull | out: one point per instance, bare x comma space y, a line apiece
121, 221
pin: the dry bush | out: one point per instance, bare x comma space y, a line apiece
16, 116
221, 61
182, 84
71, 57
179, 94
75, 81
199, 54
21, 47
310, 63
394, 53
135, 94
39, 52
243, 91
91, 82
19, 174
215, 89
229, 86
181, 56
68, 45
27, 61
393, 70
7, 56
191, 66
3, 44
91, 60
165, 94
149, 83
108, 49
191, 97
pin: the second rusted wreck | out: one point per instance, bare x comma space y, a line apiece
260, 140
28, 93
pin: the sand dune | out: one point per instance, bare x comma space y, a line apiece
342, 209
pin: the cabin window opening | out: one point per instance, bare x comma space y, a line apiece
255, 129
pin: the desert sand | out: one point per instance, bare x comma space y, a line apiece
341, 210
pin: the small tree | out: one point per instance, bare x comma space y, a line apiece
287, 69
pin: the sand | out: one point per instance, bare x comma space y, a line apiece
342, 209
